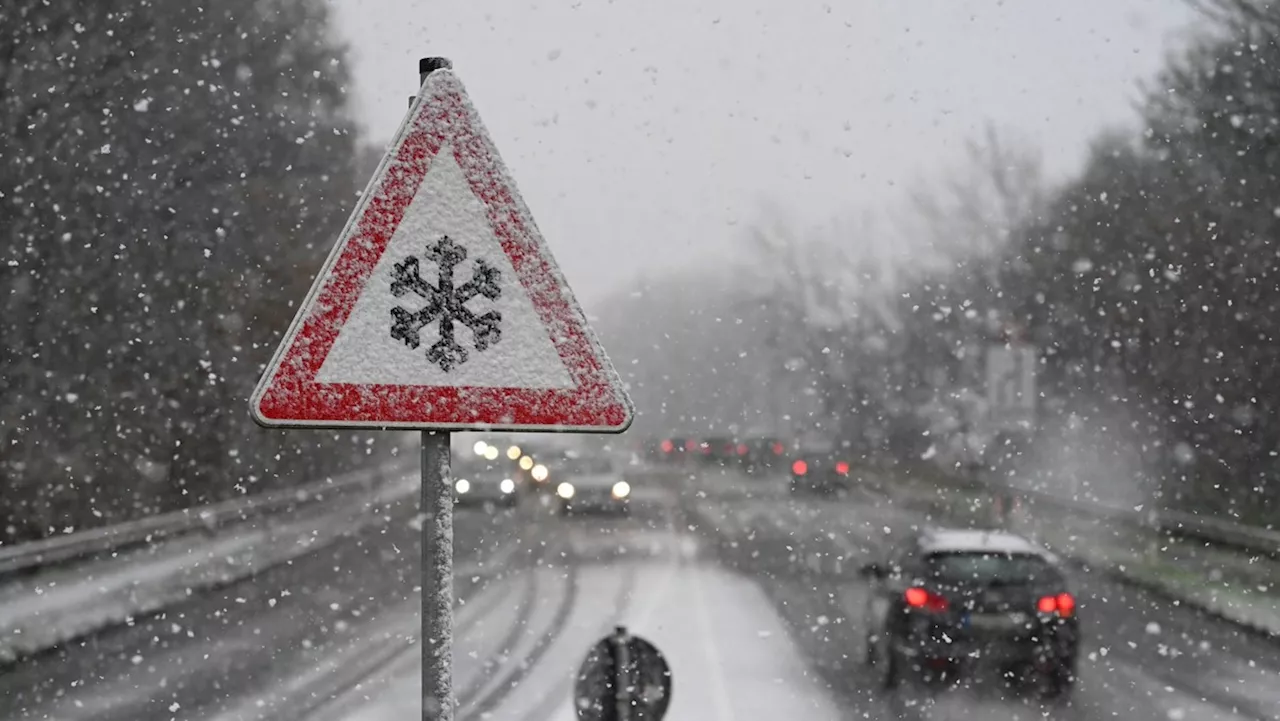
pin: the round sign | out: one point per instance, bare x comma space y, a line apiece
637, 689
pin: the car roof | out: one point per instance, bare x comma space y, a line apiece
954, 540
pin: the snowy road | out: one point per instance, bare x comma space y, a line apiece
753, 599
731, 656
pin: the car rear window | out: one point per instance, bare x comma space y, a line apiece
986, 568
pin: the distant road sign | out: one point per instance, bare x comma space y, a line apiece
1011, 385
623, 678
441, 307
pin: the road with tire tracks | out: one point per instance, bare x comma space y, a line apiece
752, 594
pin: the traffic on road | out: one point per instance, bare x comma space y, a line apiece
765, 605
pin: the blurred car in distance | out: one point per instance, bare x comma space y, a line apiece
818, 466
763, 453
719, 450
591, 483
676, 449
485, 483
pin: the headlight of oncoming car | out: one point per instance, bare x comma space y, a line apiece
462, 486
621, 489
507, 485
539, 473
565, 490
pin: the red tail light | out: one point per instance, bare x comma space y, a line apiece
1066, 605
777, 449
742, 449
842, 468
1062, 604
799, 468
668, 446
921, 598
690, 445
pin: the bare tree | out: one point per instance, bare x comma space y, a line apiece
968, 216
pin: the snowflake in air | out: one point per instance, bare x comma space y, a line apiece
446, 304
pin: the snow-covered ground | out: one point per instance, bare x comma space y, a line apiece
63, 603
730, 655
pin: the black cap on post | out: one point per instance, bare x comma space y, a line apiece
426, 66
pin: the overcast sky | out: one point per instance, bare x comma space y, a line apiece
644, 133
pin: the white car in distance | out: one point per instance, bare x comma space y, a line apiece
588, 483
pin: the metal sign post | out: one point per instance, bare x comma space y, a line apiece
437, 547
437, 578
622, 674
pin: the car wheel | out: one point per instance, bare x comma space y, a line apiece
868, 649
1057, 685
885, 664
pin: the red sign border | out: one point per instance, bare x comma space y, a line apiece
288, 396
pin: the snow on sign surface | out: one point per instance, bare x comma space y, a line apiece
441, 307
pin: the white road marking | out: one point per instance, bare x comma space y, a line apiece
720, 695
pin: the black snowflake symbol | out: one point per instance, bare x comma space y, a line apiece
446, 304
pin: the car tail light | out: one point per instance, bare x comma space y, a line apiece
917, 597
799, 468
1066, 604
1063, 604
842, 468
777, 449
668, 446
690, 445
742, 449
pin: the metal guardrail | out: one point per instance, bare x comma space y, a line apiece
1250, 538
1255, 539
73, 546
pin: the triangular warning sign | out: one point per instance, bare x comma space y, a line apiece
441, 307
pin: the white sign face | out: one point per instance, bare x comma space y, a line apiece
1011, 384
366, 353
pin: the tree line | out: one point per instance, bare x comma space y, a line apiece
171, 176
1147, 282
1151, 277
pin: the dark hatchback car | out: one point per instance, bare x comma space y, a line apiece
955, 604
